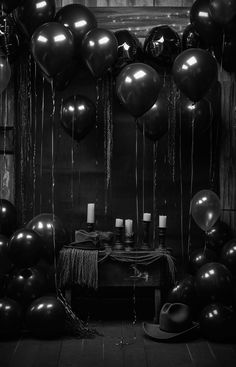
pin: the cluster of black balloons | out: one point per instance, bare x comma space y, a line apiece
209, 289
25, 277
61, 42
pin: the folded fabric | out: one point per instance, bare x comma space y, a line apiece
91, 240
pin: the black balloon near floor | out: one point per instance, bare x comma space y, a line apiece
8, 217
10, 317
25, 248
46, 225
200, 257
228, 255
217, 322
218, 235
45, 317
183, 291
26, 285
214, 284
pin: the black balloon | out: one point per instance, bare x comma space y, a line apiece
217, 322
225, 51
78, 116
156, 120
192, 39
183, 291
222, 11
52, 46
79, 19
214, 283
201, 19
200, 257
228, 255
162, 45
25, 248
32, 13
46, 225
199, 114
99, 50
46, 317
26, 285
9, 40
9, 5
129, 49
10, 317
5, 263
8, 217
218, 235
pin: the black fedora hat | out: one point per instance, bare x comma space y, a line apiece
175, 321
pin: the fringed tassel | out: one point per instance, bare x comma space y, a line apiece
78, 267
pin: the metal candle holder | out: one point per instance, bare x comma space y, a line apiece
145, 241
161, 232
118, 244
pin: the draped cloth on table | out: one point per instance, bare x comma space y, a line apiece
78, 266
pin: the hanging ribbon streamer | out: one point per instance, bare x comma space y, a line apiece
72, 160
30, 138
53, 183
108, 135
35, 138
191, 182
99, 85
41, 145
155, 146
211, 164
181, 188
143, 166
5, 173
136, 180
172, 100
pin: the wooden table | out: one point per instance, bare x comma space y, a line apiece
119, 274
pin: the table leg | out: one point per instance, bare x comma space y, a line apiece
157, 299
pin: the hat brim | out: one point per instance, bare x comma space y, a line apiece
154, 331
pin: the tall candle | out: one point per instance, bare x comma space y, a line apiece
119, 222
91, 213
147, 217
162, 221
128, 227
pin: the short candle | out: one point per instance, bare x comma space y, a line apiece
91, 213
162, 221
128, 227
119, 222
147, 217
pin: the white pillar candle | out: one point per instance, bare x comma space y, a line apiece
162, 221
147, 217
128, 227
91, 213
119, 222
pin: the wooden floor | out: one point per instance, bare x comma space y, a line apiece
122, 345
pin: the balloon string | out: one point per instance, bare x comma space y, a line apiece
211, 173
143, 176
53, 185
41, 145
191, 183
222, 52
155, 146
30, 129
35, 140
136, 179
181, 188
72, 159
